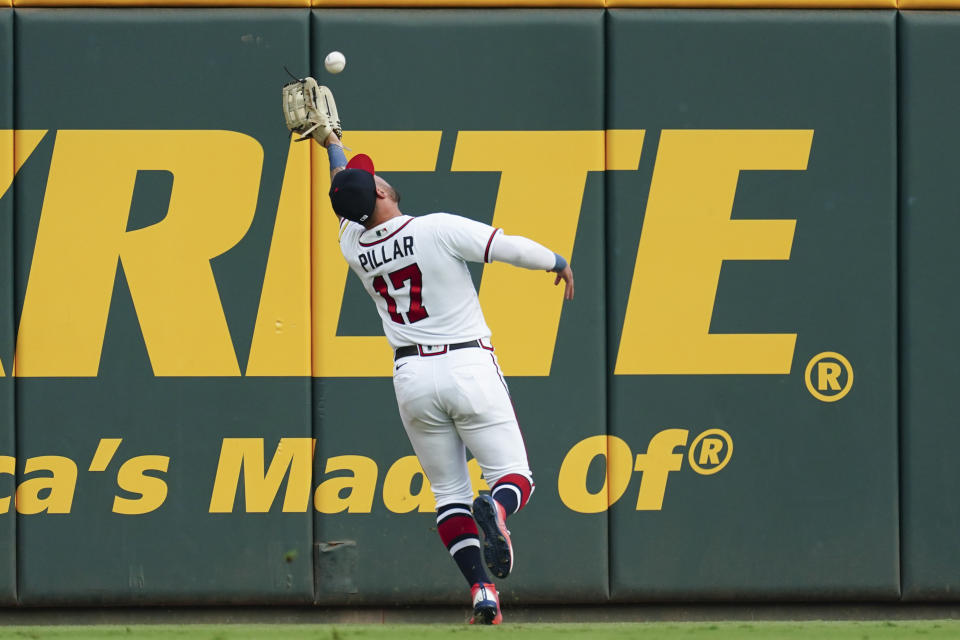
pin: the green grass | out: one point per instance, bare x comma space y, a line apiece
927, 629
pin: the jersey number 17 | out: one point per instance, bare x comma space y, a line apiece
410, 273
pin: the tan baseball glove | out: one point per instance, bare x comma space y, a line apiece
310, 110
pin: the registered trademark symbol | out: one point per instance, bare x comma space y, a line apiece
829, 376
710, 452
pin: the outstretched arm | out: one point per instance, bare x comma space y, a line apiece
523, 252
338, 161
565, 274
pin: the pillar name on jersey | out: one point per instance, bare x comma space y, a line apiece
384, 253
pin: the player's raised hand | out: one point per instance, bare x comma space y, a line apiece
329, 140
566, 274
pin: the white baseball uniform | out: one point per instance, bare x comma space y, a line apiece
415, 270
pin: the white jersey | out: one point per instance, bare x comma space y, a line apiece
415, 269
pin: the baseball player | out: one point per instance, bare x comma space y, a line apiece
450, 391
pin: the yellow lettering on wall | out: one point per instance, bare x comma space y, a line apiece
572, 481
687, 234
281, 337
543, 175
623, 149
133, 479
292, 460
8, 466
354, 356
83, 232
106, 449
58, 487
15, 148
397, 487
477, 483
656, 464
827, 376
710, 451
362, 485
6, 160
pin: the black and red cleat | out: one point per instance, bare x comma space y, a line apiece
497, 549
486, 604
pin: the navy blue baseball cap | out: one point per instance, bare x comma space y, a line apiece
353, 191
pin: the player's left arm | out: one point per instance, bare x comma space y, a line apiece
477, 242
338, 160
524, 252
310, 110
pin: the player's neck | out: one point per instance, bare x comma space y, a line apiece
382, 215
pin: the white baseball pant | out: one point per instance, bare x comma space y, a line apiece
452, 400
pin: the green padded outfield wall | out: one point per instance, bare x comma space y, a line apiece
8, 522
204, 411
172, 158
535, 178
758, 233
930, 135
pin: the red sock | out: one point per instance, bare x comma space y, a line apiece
459, 534
513, 491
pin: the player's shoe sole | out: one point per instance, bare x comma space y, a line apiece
497, 549
485, 615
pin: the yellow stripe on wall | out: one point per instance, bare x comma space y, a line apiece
174, 4
464, 4
458, 4
759, 4
929, 4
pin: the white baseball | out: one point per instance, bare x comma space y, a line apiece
335, 62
